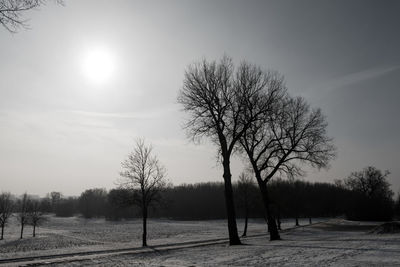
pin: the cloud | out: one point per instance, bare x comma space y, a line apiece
355, 77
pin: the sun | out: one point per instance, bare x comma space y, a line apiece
98, 65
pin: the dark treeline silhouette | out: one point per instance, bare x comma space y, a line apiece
205, 201
93, 203
119, 205
299, 199
364, 195
199, 201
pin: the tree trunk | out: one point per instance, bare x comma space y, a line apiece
34, 230
246, 218
144, 237
2, 231
22, 230
272, 228
278, 220
230, 207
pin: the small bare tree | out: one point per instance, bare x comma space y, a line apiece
22, 215
290, 135
11, 12
6, 209
145, 177
35, 215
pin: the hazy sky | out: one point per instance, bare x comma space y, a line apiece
67, 121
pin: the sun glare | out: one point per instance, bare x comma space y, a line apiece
98, 65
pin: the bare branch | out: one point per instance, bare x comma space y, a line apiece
11, 12
290, 134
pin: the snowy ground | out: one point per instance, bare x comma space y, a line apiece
337, 243
65, 235
319, 245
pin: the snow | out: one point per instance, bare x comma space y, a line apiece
305, 246
333, 243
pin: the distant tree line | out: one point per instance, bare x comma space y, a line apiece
205, 201
364, 195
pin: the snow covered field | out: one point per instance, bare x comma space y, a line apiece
62, 235
336, 242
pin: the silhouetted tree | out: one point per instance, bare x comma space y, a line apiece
374, 200
146, 177
6, 210
371, 182
34, 214
11, 12
289, 134
217, 98
22, 214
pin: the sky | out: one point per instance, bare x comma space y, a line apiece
88, 78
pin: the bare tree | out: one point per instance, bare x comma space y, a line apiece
373, 198
22, 215
35, 215
146, 177
244, 186
217, 98
11, 12
371, 182
291, 135
6, 209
